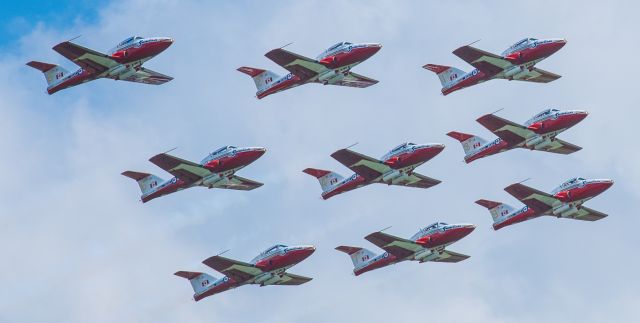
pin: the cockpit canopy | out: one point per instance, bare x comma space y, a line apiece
427, 229
434, 226
567, 184
542, 115
333, 48
268, 251
217, 153
125, 43
518, 46
397, 149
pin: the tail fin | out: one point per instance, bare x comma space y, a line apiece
200, 282
469, 142
326, 178
358, 255
446, 74
147, 182
53, 73
262, 78
498, 210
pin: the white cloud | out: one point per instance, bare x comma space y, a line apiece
78, 246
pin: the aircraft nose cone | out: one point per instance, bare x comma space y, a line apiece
259, 151
308, 250
580, 115
608, 183
469, 228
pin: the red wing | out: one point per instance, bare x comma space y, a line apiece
303, 67
185, 170
88, 59
423, 181
510, 132
292, 279
238, 270
355, 80
539, 201
147, 76
450, 256
490, 64
365, 166
562, 147
396, 246
540, 76
239, 183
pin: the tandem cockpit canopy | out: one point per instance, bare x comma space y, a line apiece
125, 43
332, 48
518, 45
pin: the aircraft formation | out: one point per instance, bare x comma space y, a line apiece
333, 66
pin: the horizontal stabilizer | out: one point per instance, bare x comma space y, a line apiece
348, 250
317, 173
436, 68
187, 274
135, 175
43, 67
253, 72
459, 136
488, 204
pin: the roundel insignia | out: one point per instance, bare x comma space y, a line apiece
386, 254
173, 180
225, 278
349, 49
474, 72
289, 76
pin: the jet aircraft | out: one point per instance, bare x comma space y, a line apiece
515, 63
332, 66
123, 62
428, 244
538, 133
396, 168
268, 268
565, 201
217, 170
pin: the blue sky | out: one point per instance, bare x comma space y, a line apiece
19, 17
80, 247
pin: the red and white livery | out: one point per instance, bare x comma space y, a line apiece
538, 133
395, 168
123, 62
331, 67
565, 201
217, 170
428, 244
515, 63
268, 268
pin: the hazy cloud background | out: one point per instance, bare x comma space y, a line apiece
78, 246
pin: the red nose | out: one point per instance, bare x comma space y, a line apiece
563, 196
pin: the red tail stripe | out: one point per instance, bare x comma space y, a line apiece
253, 72
459, 136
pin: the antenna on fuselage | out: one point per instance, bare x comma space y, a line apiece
352, 145
74, 38
223, 252
286, 45
170, 150
474, 42
494, 112
522, 181
385, 229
